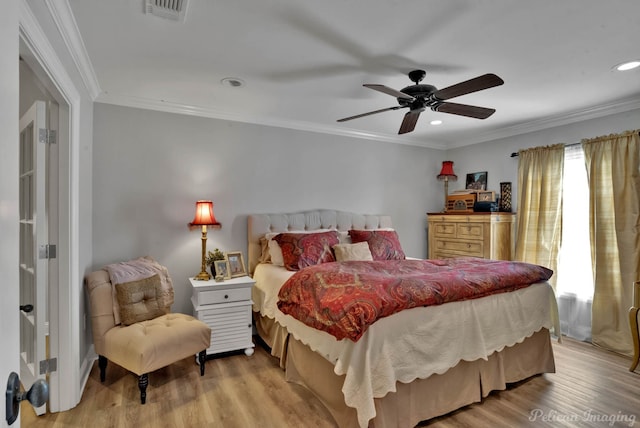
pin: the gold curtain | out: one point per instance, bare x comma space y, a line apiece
614, 184
539, 219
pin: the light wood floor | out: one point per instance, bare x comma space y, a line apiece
591, 386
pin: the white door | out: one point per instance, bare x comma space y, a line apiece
33, 246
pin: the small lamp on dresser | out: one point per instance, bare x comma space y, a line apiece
446, 174
204, 217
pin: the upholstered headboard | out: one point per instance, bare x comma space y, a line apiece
259, 224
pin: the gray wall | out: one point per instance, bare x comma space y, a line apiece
494, 157
150, 167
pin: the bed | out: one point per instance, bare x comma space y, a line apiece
408, 367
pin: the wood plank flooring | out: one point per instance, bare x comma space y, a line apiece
591, 388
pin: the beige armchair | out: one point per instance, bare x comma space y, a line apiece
132, 326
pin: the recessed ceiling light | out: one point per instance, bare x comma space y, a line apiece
436, 122
630, 65
234, 82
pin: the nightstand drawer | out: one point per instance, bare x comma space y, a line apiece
224, 296
445, 230
470, 230
463, 248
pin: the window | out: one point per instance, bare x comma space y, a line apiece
574, 286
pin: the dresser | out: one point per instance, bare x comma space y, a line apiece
486, 235
226, 308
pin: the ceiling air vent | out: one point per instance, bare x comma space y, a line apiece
168, 9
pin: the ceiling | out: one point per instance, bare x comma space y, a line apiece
304, 63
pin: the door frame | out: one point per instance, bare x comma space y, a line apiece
65, 328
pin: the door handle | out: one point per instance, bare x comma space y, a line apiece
26, 308
37, 395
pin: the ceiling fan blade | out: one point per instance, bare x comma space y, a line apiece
465, 110
369, 113
389, 91
479, 83
409, 121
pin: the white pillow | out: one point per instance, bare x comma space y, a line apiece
275, 251
346, 252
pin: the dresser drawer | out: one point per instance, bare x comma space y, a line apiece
445, 230
460, 248
224, 296
470, 230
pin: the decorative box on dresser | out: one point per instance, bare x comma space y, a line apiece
226, 308
490, 235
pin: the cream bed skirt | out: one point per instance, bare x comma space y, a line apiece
422, 399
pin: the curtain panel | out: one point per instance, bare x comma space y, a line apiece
613, 164
539, 219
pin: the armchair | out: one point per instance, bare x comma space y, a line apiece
132, 325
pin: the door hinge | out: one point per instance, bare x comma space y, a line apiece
47, 136
48, 366
47, 251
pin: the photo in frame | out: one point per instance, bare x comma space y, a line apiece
222, 268
236, 263
477, 181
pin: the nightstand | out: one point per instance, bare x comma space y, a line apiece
226, 308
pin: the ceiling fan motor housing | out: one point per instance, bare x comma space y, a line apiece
421, 94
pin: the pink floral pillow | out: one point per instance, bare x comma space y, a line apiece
300, 250
384, 244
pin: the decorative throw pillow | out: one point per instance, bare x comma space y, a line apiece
140, 300
134, 270
300, 250
384, 244
346, 252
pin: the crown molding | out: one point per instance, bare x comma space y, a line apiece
553, 121
171, 107
66, 23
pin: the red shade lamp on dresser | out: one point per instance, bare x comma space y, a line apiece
204, 217
446, 174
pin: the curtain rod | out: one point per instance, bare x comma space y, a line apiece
515, 154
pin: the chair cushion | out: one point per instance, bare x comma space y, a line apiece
149, 345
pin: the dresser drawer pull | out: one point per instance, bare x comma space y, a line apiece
226, 296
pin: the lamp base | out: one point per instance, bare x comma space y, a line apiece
202, 276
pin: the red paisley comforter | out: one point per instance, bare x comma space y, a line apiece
345, 298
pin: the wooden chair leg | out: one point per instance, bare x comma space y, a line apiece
102, 363
202, 357
635, 334
143, 381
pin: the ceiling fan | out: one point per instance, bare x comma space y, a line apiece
419, 97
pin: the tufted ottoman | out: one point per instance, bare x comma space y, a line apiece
143, 346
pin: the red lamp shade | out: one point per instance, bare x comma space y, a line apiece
446, 173
204, 214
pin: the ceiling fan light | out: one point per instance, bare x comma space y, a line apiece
436, 122
629, 65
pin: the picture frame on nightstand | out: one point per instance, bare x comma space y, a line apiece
236, 263
222, 268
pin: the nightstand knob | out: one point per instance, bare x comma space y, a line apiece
226, 296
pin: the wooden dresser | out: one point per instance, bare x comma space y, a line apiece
486, 235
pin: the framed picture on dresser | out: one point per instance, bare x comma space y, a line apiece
477, 181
